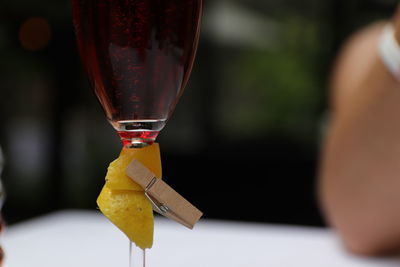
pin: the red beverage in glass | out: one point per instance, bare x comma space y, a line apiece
138, 55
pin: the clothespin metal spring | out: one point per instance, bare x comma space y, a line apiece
160, 207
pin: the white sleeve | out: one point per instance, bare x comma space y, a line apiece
389, 51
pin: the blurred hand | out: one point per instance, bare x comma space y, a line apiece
360, 166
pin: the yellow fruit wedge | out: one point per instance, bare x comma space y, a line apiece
116, 179
123, 201
131, 212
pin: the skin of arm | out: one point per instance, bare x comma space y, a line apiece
359, 176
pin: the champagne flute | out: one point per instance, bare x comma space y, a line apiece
138, 55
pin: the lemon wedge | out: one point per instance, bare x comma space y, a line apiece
123, 201
131, 212
149, 156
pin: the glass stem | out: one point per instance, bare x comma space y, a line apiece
137, 256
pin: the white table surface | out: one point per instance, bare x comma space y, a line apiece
84, 238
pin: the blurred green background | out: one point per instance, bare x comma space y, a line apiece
243, 143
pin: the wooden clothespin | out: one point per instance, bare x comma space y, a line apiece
165, 199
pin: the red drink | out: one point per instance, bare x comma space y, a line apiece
138, 55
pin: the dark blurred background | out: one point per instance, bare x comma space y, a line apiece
243, 143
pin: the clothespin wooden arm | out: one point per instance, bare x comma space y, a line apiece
164, 198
